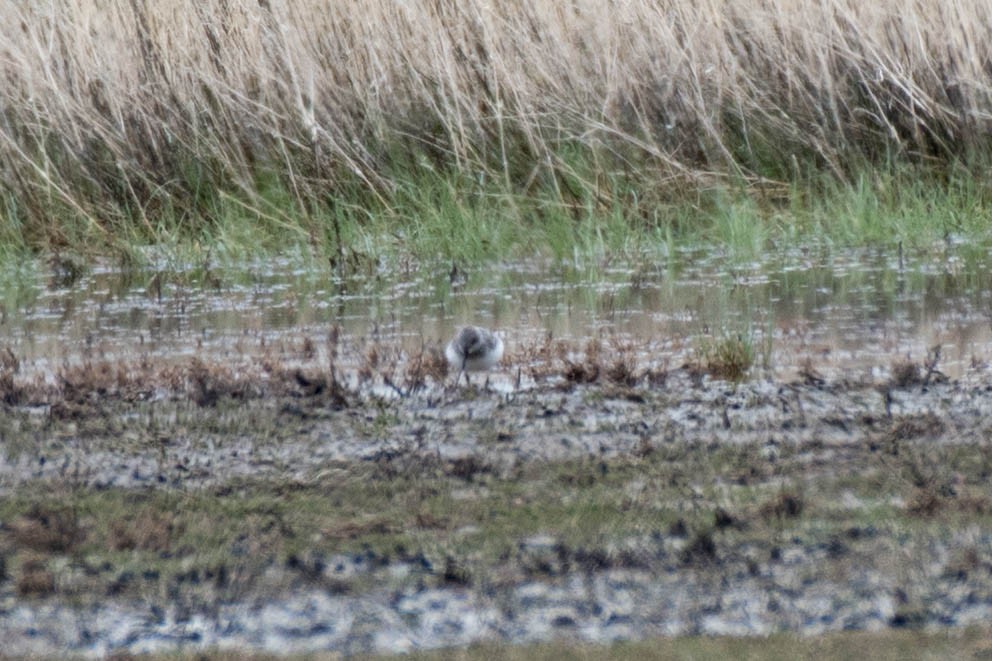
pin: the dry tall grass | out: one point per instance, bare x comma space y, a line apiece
123, 110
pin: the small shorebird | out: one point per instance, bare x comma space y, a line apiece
474, 349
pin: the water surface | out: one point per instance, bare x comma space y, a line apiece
842, 311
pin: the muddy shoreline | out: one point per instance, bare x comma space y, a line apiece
285, 508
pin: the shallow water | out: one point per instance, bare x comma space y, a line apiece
844, 311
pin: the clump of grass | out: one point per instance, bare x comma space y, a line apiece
701, 549
35, 579
622, 369
809, 374
48, 530
10, 393
940, 499
730, 357
906, 373
966, 561
913, 426
585, 370
788, 504
147, 530
592, 366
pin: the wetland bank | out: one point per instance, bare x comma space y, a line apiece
740, 252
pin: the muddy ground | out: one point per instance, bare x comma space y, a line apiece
285, 502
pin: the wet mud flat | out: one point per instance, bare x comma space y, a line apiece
290, 506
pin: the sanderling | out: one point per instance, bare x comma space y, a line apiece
474, 349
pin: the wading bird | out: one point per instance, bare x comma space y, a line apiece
474, 349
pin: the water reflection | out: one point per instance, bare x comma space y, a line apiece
843, 311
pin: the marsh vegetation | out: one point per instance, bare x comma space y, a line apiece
362, 130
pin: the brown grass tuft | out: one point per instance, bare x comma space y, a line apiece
429, 364
905, 373
623, 369
621, 372
382, 360
9, 362
308, 350
920, 425
809, 374
82, 383
356, 529
581, 372
302, 383
926, 501
700, 550
467, 467
35, 580
148, 530
936, 498
209, 382
48, 530
426, 520
786, 505
966, 561
589, 368
10, 391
